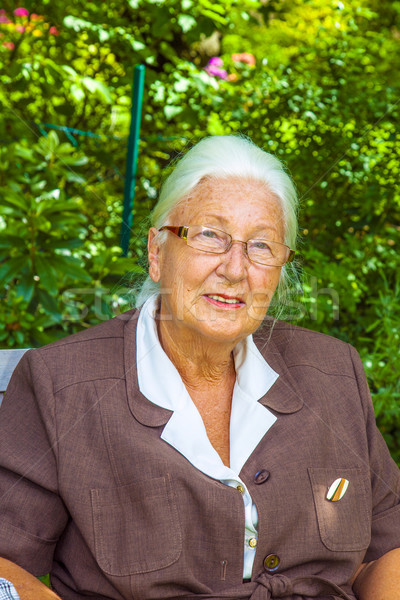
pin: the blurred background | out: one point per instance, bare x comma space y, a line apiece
315, 82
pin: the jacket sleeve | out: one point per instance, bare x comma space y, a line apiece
33, 515
385, 478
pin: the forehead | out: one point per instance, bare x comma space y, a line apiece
230, 202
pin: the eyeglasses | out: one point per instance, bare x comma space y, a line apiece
215, 241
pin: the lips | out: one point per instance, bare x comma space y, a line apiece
224, 300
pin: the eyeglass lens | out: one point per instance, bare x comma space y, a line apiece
215, 241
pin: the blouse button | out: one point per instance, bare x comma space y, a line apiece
271, 562
253, 542
240, 488
261, 476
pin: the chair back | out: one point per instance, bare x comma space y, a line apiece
8, 361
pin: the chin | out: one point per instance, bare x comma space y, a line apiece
223, 332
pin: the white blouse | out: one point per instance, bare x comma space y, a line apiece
160, 382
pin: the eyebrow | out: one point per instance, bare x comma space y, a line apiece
225, 222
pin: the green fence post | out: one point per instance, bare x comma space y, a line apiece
132, 157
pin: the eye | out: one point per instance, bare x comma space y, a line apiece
209, 233
261, 245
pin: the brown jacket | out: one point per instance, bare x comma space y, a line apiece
91, 493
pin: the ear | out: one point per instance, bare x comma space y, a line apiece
153, 251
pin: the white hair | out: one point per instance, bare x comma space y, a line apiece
224, 156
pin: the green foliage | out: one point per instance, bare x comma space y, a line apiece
52, 276
320, 92
45, 579
380, 356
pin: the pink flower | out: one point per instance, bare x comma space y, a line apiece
21, 12
20, 28
9, 45
216, 71
216, 61
214, 68
4, 19
245, 57
53, 31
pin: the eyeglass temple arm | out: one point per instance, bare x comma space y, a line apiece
179, 231
291, 255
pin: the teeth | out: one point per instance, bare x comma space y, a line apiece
226, 300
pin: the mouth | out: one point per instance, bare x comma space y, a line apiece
224, 301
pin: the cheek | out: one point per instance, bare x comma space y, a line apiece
178, 279
262, 292
267, 282
193, 271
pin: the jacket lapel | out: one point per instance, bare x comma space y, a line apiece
284, 396
143, 410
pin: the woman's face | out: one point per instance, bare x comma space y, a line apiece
191, 280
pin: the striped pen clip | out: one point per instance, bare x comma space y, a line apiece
337, 489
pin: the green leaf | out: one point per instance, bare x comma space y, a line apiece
50, 206
77, 92
171, 111
25, 153
47, 275
103, 34
52, 244
76, 24
12, 268
214, 16
214, 6
104, 92
44, 321
89, 83
25, 287
67, 221
137, 46
75, 177
11, 241
4, 254
182, 84
49, 143
186, 22
70, 267
14, 200
49, 303
79, 161
71, 72
98, 87
122, 266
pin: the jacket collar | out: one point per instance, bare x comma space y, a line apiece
283, 397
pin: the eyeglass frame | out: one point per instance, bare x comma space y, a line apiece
182, 231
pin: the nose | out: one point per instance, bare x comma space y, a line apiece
234, 263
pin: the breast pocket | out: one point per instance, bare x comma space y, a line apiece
344, 525
136, 527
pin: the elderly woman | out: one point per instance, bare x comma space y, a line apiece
195, 449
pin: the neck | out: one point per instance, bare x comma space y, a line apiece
208, 373
200, 363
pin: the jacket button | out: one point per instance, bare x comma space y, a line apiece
271, 562
261, 476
